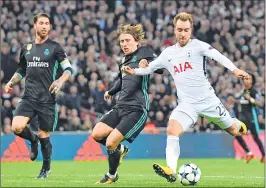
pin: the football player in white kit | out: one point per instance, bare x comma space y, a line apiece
186, 62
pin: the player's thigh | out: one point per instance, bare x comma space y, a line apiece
184, 117
132, 123
216, 113
47, 116
111, 118
24, 112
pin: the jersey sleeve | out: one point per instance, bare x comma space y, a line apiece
158, 63
152, 56
117, 86
209, 51
21, 71
61, 57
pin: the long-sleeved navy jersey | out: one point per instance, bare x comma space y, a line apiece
39, 64
134, 89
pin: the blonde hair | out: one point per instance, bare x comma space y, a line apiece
135, 30
183, 16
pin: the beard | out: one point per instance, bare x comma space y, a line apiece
42, 34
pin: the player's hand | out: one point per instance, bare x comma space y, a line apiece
9, 87
143, 63
241, 74
107, 96
56, 86
128, 70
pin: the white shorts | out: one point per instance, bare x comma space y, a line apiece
212, 109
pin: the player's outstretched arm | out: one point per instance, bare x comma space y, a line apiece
209, 51
152, 66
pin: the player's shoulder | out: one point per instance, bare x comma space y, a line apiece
53, 42
145, 52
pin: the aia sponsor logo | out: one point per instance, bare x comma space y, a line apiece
182, 67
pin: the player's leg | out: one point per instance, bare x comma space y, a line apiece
249, 154
113, 140
105, 126
128, 128
23, 114
254, 129
213, 110
179, 122
48, 117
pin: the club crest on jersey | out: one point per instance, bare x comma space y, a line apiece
29, 46
46, 52
134, 59
189, 53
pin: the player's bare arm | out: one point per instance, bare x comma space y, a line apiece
57, 84
15, 79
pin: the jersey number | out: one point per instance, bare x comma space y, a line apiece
221, 109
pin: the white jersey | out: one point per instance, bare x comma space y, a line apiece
187, 65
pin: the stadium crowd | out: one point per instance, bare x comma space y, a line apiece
87, 32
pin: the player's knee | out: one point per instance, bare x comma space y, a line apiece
111, 144
174, 129
96, 136
43, 134
17, 128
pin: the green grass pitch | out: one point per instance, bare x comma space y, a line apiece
133, 173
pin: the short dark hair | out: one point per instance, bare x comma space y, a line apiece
42, 14
253, 78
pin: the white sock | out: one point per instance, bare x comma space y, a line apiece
172, 152
121, 148
238, 124
111, 176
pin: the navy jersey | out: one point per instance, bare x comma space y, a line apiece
134, 89
39, 63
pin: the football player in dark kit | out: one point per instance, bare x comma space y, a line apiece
249, 100
39, 62
128, 117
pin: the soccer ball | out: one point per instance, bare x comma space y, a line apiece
189, 174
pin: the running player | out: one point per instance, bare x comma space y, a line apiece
186, 62
128, 117
249, 100
39, 63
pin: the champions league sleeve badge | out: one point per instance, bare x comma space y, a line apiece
29, 46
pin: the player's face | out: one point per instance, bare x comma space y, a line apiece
183, 31
127, 43
248, 82
42, 27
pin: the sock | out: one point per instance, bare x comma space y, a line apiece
27, 134
242, 143
46, 148
172, 152
113, 159
103, 142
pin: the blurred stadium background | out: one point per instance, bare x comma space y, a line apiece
87, 32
